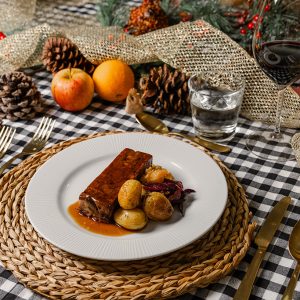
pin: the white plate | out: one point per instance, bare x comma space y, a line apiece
59, 181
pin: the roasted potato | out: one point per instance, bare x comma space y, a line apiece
129, 195
132, 219
158, 207
156, 174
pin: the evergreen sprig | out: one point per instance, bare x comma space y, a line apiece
112, 12
172, 9
208, 10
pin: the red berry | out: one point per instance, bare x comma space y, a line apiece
2, 36
250, 25
243, 31
268, 7
241, 20
258, 35
255, 18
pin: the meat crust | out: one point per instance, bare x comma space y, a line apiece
99, 199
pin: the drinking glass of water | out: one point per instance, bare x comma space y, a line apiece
216, 100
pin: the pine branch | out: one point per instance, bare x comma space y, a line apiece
209, 11
112, 12
172, 9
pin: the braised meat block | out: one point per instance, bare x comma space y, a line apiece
99, 199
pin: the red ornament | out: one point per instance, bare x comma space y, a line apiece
2, 36
268, 7
243, 31
250, 25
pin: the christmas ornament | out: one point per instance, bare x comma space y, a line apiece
60, 53
19, 97
2, 36
147, 17
113, 79
166, 91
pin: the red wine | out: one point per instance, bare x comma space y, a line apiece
280, 60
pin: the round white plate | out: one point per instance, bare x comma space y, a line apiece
59, 181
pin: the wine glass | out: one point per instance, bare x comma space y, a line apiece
276, 49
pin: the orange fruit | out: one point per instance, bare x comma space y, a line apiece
113, 79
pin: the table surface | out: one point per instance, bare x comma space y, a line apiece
265, 182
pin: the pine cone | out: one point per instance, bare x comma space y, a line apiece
19, 97
166, 91
60, 53
147, 17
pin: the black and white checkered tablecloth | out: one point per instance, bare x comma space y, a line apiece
265, 183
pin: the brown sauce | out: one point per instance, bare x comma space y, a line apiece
90, 225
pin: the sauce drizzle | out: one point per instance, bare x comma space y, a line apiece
95, 227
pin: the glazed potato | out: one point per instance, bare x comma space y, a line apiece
158, 207
129, 195
156, 174
132, 219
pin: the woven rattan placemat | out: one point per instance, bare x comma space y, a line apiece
60, 275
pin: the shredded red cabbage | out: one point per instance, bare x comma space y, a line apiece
172, 189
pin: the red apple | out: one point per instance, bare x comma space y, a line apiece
72, 89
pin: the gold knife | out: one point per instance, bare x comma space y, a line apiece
262, 240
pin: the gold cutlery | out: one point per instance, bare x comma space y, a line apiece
262, 240
6, 136
153, 124
294, 246
37, 142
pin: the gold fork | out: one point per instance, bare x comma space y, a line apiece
6, 135
37, 142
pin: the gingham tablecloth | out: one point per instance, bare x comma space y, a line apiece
265, 183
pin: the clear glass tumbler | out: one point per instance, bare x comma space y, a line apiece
216, 100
